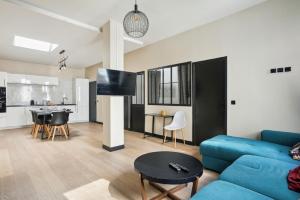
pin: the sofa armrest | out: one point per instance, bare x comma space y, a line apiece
280, 137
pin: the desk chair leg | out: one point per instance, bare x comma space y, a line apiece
175, 139
182, 136
165, 136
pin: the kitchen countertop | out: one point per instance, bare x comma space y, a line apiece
39, 105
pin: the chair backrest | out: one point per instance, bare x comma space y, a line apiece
33, 116
179, 120
58, 118
36, 118
67, 115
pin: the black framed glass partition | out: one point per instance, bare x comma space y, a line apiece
170, 85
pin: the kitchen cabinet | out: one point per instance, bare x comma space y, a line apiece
32, 79
81, 98
16, 117
3, 79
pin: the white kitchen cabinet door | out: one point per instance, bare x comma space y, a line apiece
3, 79
3, 121
83, 114
16, 117
32, 79
81, 97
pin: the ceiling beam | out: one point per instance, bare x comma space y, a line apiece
53, 15
62, 18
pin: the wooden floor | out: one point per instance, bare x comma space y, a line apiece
33, 169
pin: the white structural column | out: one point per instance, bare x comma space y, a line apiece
113, 106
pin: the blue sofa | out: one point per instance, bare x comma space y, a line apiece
250, 169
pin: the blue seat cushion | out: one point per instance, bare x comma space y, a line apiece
230, 148
263, 175
221, 190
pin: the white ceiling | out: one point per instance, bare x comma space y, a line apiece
166, 17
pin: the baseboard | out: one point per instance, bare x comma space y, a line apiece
169, 138
110, 149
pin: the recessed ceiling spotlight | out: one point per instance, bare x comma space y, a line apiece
29, 43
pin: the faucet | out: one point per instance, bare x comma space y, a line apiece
63, 99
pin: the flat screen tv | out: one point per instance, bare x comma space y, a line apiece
114, 82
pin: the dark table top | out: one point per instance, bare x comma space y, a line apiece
41, 105
155, 167
49, 111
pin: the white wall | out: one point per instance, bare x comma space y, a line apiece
254, 40
19, 67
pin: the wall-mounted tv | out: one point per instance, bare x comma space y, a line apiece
114, 82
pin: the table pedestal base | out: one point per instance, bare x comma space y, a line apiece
164, 192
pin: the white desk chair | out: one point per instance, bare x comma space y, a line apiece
178, 123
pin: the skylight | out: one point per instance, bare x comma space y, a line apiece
34, 44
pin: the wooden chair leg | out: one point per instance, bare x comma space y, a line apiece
68, 129
54, 131
64, 131
37, 128
174, 138
46, 128
51, 132
32, 129
182, 136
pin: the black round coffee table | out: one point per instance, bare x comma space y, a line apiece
155, 168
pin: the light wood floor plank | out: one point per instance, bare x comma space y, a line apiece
46, 170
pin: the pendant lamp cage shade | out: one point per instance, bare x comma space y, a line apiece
136, 23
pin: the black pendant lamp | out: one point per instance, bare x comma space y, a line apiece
136, 23
62, 60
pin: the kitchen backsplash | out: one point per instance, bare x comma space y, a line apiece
20, 94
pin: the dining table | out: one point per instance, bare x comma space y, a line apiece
47, 112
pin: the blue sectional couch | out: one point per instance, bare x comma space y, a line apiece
250, 169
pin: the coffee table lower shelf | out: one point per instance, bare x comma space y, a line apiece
164, 192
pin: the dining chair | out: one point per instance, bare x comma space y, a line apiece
58, 121
40, 123
178, 123
67, 125
33, 122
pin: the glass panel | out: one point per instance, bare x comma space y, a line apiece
167, 93
160, 94
139, 89
143, 89
175, 74
167, 75
175, 93
133, 99
158, 84
169, 85
151, 87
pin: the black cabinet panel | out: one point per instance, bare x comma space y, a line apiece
92, 102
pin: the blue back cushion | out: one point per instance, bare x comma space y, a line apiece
230, 148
